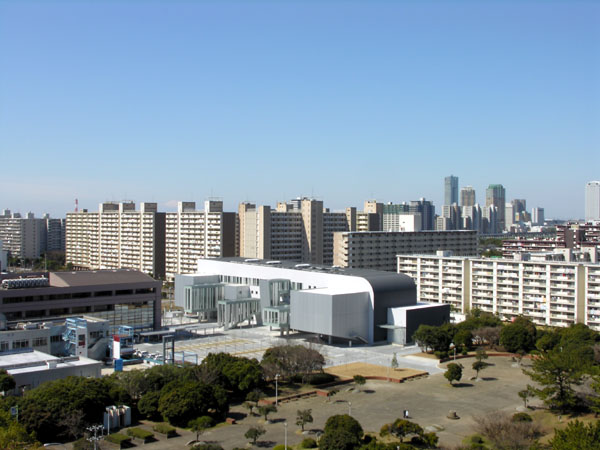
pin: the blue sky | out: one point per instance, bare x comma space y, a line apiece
264, 101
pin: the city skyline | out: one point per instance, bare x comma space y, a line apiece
264, 102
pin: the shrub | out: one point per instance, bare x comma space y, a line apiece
165, 428
521, 417
476, 439
308, 443
119, 439
385, 430
279, 447
138, 433
207, 447
315, 379
440, 355
83, 444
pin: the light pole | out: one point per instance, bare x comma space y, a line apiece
453, 347
95, 438
285, 439
276, 389
349, 408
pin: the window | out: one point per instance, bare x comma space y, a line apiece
40, 342
3, 346
23, 343
56, 338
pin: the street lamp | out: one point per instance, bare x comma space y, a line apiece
95, 438
276, 389
285, 441
453, 347
349, 408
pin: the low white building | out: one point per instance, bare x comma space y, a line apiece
30, 368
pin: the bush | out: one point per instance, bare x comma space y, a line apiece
315, 379
279, 447
165, 428
440, 355
207, 447
522, 417
308, 443
83, 444
385, 430
119, 439
138, 433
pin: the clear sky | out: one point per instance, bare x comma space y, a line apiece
264, 101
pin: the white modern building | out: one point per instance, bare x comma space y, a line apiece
30, 368
23, 237
592, 200
355, 305
549, 292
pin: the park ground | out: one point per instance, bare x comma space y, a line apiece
427, 399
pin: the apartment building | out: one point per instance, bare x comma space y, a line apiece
23, 237
191, 235
548, 292
378, 250
301, 230
117, 236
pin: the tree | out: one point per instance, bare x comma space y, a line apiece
402, 428
200, 424
525, 395
359, 380
290, 360
265, 410
578, 436
7, 382
479, 364
304, 416
488, 335
331, 393
148, 404
394, 363
346, 423
464, 338
518, 335
254, 433
338, 439
453, 372
185, 401
254, 397
249, 406
557, 372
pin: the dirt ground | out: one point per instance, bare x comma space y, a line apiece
346, 371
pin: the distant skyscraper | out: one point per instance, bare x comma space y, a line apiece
427, 211
467, 196
495, 195
509, 215
537, 216
519, 205
450, 190
592, 200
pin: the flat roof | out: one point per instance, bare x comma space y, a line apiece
25, 357
98, 277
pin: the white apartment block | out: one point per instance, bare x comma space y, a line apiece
548, 292
191, 235
378, 250
115, 237
23, 237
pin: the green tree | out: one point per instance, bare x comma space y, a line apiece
254, 433
480, 364
464, 338
338, 440
453, 372
13, 435
519, 335
186, 401
525, 395
578, 436
254, 397
7, 382
265, 410
557, 372
148, 405
303, 416
394, 363
291, 360
346, 423
359, 380
200, 424
402, 428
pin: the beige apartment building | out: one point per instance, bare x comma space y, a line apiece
117, 236
548, 292
158, 243
300, 230
378, 250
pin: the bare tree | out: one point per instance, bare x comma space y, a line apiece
504, 434
487, 335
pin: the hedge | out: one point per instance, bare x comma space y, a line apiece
118, 438
139, 433
165, 428
308, 443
